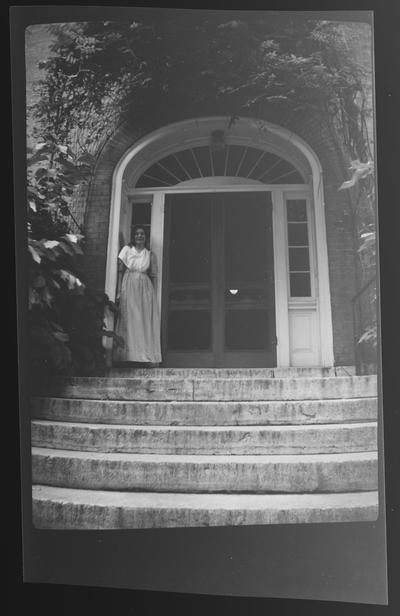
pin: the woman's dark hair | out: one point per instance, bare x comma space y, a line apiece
134, 229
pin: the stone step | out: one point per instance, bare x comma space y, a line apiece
217, 440
130, 372
237, 389
206, 413
345, 472
61, 508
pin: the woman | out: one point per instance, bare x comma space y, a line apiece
138, 321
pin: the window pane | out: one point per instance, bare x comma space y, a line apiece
266, 167
246, 329
171, 163
156, 171
298, 234
189, 330
248, 239
300, 285
145, 181
187, 161
299, 259
218, 157
230, 160
250, 159
190, 250
235, 153
203, 158
285, 173
141, 213
296, 210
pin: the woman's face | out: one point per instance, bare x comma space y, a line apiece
139, 237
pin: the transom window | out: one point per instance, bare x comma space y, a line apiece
230, 160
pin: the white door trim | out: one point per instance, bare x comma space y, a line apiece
274, 138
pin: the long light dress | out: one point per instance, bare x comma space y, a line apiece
138, 322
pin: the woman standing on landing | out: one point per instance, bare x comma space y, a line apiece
138, 321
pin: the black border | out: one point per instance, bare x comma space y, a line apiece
218, 560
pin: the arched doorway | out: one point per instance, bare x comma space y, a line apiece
208, 191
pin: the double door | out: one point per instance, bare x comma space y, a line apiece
218, 307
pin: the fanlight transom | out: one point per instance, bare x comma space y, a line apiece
230, 160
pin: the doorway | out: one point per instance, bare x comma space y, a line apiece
218, 305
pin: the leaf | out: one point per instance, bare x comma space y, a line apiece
54, 283
348, 183
370, 335
67, 248
73, 237
86, 159
33, 191
71, 280
78, 250
56, 326
35, 255
33, 298
41, 173
32, 205
361, 170
51, 244
37, 158
62, 337
47, 297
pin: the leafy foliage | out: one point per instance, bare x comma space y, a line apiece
65, 319
101, 72
362, 180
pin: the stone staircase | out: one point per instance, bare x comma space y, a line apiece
205, 447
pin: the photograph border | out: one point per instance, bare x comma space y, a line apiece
50, 556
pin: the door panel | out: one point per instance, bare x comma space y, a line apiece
187, 321
218, 299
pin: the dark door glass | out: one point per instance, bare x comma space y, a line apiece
189, 286
219, 287
248, 272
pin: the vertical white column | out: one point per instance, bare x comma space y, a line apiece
325, 313
112, 255
157, 239
281, 279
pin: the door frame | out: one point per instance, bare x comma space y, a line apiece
218, 354
273, 138
278, 195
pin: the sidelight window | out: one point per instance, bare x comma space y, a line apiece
299, 248
141, 215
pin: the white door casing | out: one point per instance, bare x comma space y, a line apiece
294, 317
